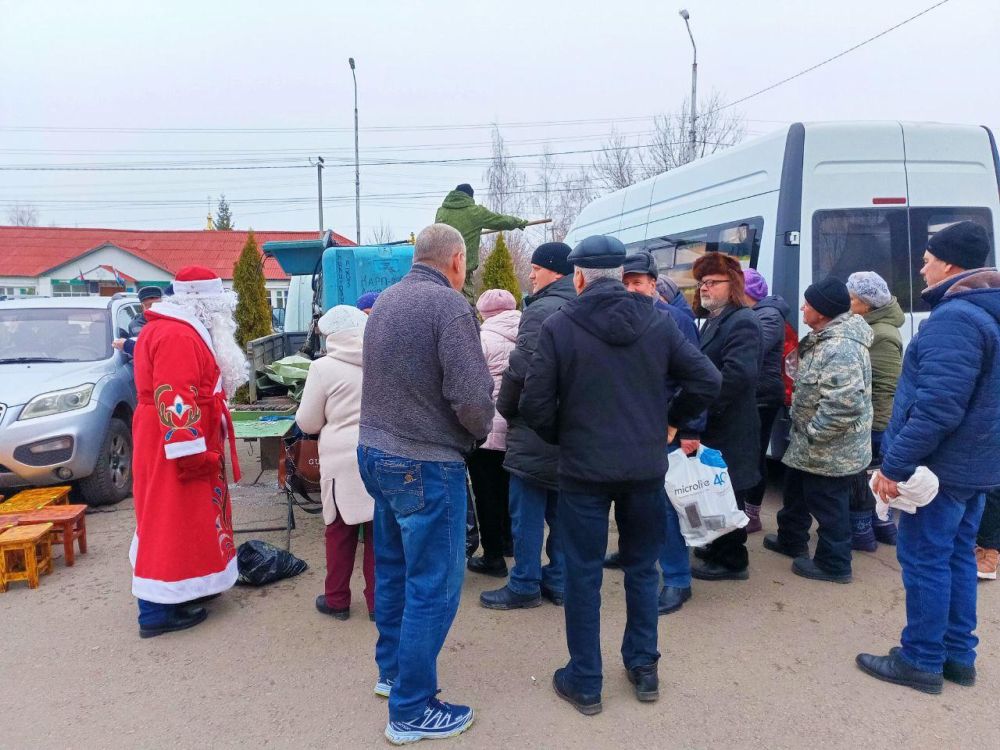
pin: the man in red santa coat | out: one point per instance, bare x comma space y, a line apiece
186, 361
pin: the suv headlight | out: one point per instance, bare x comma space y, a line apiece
57, 402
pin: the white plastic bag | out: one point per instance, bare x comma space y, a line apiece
699, 489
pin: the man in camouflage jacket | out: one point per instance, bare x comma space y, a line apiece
831, 417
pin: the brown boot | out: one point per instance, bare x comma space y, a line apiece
753, 513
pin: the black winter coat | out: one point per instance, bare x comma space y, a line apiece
600, 388
771, 313
731, 340
528, 456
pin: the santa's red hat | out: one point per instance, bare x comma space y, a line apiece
197, 281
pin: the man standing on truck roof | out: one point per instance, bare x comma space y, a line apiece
460, 211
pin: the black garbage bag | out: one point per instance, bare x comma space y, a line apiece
260, 563
471, 527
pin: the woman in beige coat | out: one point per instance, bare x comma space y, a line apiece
331, 406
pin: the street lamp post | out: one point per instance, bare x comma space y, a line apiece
357, 162
692, 136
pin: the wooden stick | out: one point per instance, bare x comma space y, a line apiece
531, 223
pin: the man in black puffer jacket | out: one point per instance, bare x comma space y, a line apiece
600, 386
530, 461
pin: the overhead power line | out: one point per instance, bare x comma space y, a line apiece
811, 68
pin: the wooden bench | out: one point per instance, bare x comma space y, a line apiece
25, 552
69, 524
40, 497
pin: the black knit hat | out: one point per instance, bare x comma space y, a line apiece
598, 251
150, 292
552, 255
641, 262
829, 297
465, 188
965, 244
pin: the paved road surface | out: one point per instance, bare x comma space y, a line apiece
767, 663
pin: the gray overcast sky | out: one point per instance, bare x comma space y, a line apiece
257, 65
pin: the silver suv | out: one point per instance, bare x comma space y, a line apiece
66, 395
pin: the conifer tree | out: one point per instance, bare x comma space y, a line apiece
253, 308
223, 216
498, 270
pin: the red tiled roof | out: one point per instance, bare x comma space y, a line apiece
31, 251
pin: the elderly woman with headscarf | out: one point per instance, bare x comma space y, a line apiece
331, 406
871, 298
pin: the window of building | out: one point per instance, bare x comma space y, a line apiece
13, 292
676, 253
278, 299
66, 289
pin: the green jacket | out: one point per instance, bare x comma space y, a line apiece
831, 410
461, 212
886, 353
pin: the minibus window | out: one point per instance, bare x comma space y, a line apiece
926, 221
863, 239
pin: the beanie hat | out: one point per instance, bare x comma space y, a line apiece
150, 292
465, 188
870, 288
366, 301
598, 251
168, 290
667, 288
341, 318
754, 284
495, 301
965, 244
828, 297
641, 262
552, 255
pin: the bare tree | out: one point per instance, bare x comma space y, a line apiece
715, 129
576, 190
546, 194
505, 180
618, 165
381, 234
22, 215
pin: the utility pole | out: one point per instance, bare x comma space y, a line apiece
693, 135
357, 163
319, 185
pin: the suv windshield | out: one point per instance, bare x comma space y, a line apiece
54, 334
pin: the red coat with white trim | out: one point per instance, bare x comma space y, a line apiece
183, 548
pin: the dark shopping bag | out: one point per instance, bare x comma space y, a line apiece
260, 563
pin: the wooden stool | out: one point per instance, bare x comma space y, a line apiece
39, 497
31, 546
69, 525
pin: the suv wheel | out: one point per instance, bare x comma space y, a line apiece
111, 481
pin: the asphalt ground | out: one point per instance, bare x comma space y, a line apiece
766, 663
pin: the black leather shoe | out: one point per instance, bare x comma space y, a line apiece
201, 600
613, 561
337, 614
588, 705
710, 571
773, 543
702, 553
807, 568
495, 567
506, 599
181, 619
893, 669
646, 682
960, 674
672, 598
556, 597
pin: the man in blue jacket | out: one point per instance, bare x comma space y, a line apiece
946, 416
600, 387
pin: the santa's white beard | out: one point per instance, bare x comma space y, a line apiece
230, 358
215, 312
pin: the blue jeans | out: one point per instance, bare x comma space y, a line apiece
674, 560
419, 535
531, 507
153, 614
583, 524
935, 551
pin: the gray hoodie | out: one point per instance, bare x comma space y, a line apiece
427, 393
